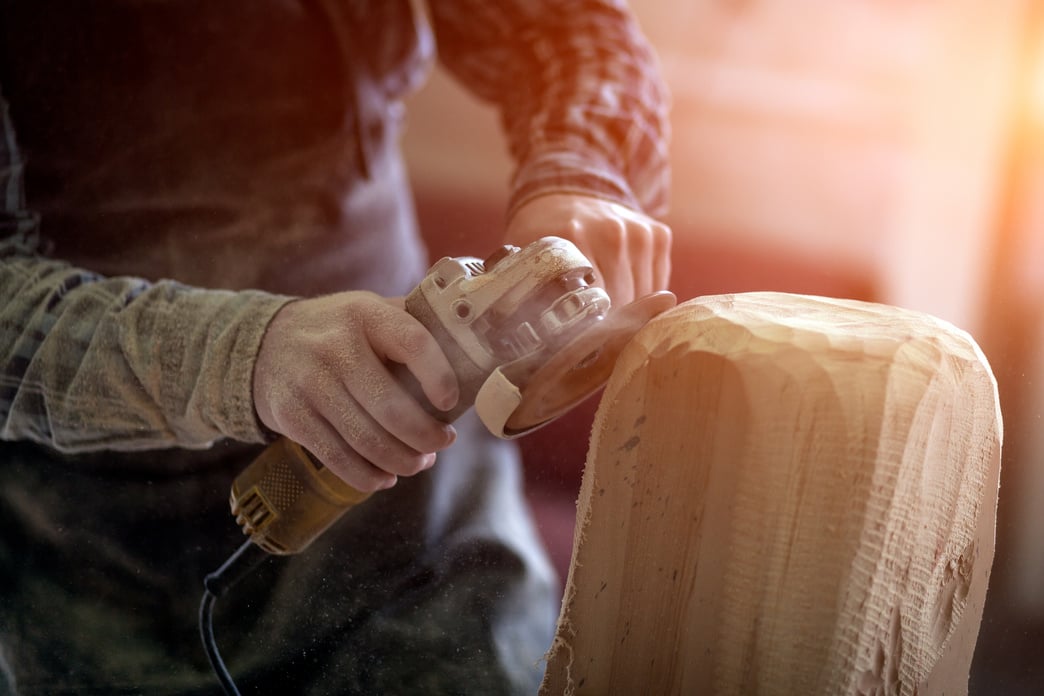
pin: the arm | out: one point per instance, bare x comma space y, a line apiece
585, 114
118, 363
115, 363
92, 363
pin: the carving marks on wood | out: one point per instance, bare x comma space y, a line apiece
784, 494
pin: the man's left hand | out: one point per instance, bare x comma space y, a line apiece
630, 251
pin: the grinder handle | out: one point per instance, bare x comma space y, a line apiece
286, 498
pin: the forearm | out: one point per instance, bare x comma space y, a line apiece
579, 91
119, 363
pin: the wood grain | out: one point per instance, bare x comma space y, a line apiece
784, 494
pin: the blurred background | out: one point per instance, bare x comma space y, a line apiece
873, 149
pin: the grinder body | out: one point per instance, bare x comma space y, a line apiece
517, 309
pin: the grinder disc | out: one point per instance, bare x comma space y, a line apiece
584, 364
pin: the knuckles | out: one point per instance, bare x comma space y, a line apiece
413, 340
414, 465
355, 470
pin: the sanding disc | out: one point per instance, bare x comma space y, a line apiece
583, 365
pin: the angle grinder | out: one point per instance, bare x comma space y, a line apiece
528, 337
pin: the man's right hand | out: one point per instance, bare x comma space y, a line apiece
322, 379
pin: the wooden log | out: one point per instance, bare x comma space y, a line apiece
784, 495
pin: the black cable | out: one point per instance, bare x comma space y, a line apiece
206, 628
246, 558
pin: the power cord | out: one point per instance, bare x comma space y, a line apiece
240, 564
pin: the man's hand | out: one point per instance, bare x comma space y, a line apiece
322, 379
631, 252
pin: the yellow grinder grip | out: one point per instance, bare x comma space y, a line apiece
285, 498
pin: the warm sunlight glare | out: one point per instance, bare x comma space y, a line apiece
1037, 87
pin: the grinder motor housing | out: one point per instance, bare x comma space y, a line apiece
516, 308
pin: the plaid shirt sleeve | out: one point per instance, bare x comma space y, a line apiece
91, 363
578, 90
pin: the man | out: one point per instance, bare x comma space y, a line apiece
205, 223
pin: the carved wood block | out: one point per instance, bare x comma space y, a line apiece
784, 495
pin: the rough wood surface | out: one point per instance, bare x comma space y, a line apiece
784, 495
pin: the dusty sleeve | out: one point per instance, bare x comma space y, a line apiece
119, 363
88, 362
578, 89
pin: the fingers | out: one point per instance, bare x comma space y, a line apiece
648, 246
382, 421
615, 259
399, 337
329, 442
630, 252
320, 437
323, 378
377, 390
328, 421
662, 241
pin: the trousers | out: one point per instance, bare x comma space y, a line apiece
436, 586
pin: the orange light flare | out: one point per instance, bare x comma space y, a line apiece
1035, 92
1028, 241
